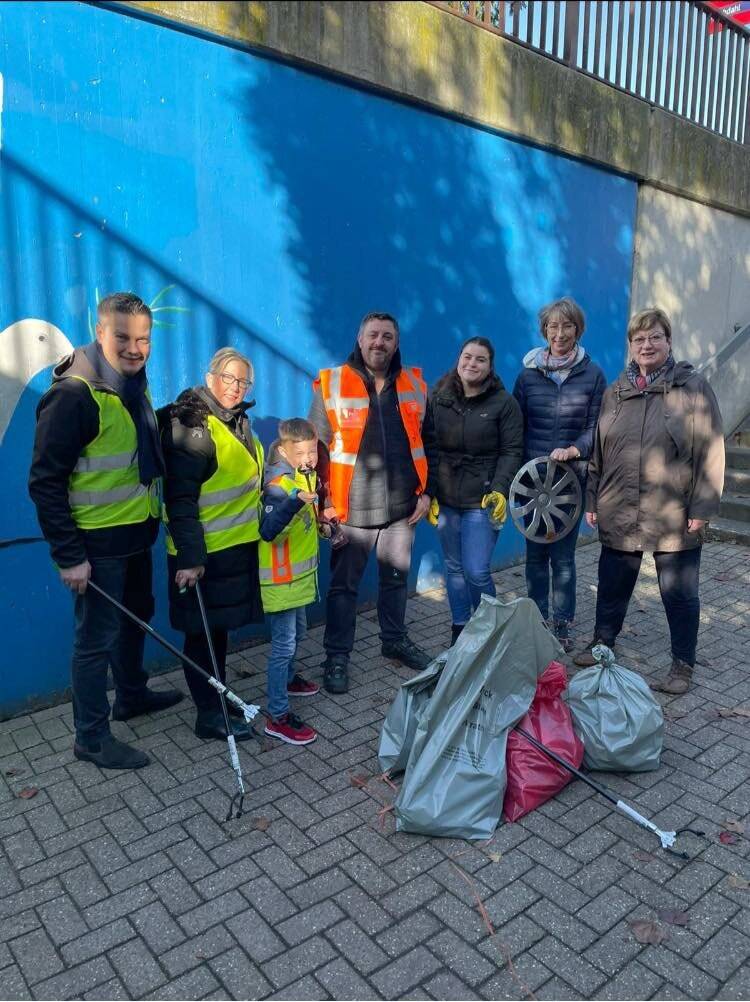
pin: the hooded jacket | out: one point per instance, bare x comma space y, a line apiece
67, 422
230, 584
479, 442
658, 460
384, 485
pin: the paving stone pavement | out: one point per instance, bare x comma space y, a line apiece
131, 885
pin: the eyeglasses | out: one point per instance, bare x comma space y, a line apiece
639, 342
566, 328
229, 380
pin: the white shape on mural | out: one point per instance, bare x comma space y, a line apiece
26, 348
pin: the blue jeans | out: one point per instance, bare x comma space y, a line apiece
561, 556
288, 628
105, 638
468, 539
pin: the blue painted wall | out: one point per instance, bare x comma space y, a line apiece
268, 208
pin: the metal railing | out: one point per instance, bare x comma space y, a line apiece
678, 55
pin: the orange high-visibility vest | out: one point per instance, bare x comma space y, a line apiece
347, 405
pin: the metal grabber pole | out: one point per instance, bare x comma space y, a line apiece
231, 743
249, 711
667, 839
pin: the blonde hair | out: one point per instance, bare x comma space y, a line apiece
646, 320
568, 309
224, 356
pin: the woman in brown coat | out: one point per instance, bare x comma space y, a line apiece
655, 478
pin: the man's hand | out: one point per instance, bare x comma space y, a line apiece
329, 513
423, 506
76, 578
187, 577
591, 519
564, 455
696, 524
307, 496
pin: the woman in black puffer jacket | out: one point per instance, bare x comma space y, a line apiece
560, 393
479, 433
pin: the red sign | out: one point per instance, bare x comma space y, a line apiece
735, 10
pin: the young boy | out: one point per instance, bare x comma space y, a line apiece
288, 562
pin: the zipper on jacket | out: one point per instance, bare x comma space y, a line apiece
385, 452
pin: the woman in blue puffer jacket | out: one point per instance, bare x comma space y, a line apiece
560, 392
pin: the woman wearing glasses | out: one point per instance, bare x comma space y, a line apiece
212, 492
560, 391
655, 478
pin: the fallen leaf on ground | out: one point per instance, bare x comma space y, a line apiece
495, 856
359, 781
738, 883
260, 824
201, 956
673, 917
13, 772
644, 857
734, 826
733, 711
648, 932
28, 792
728, 838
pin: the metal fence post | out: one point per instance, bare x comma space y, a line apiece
570, 44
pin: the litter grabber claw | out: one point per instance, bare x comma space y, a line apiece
667, 839
249, 711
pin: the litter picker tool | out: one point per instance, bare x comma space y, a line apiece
667, 839
249, 711
231, 743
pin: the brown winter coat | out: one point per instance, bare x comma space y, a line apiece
658, 460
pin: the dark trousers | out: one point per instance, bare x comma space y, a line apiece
560, 557
678, 575
205, 697
104, 638
392, 544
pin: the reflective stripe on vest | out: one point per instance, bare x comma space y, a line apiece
347, 405
229, 500
104, 489
292, 557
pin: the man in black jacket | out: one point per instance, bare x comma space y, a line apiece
94, 480
368, 414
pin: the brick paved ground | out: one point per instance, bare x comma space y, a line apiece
130, 886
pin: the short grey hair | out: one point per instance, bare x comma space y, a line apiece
568, 309
224, 356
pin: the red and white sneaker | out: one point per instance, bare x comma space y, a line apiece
290, 728
301, 687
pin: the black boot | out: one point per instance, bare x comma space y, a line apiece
150, 701
406, 653
209, 724
109, 753
336, 674
456, 631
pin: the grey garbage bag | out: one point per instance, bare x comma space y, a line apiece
400, 724
455, 776
617, 717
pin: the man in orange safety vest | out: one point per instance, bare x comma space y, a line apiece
369, 415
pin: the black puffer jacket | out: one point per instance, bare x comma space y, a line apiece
385, 482
479, 441
230, 586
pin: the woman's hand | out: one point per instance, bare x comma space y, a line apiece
307, 496
187, 577
696, 524
563, 455
591, 519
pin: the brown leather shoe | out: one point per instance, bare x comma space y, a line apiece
677, 681
585, 659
